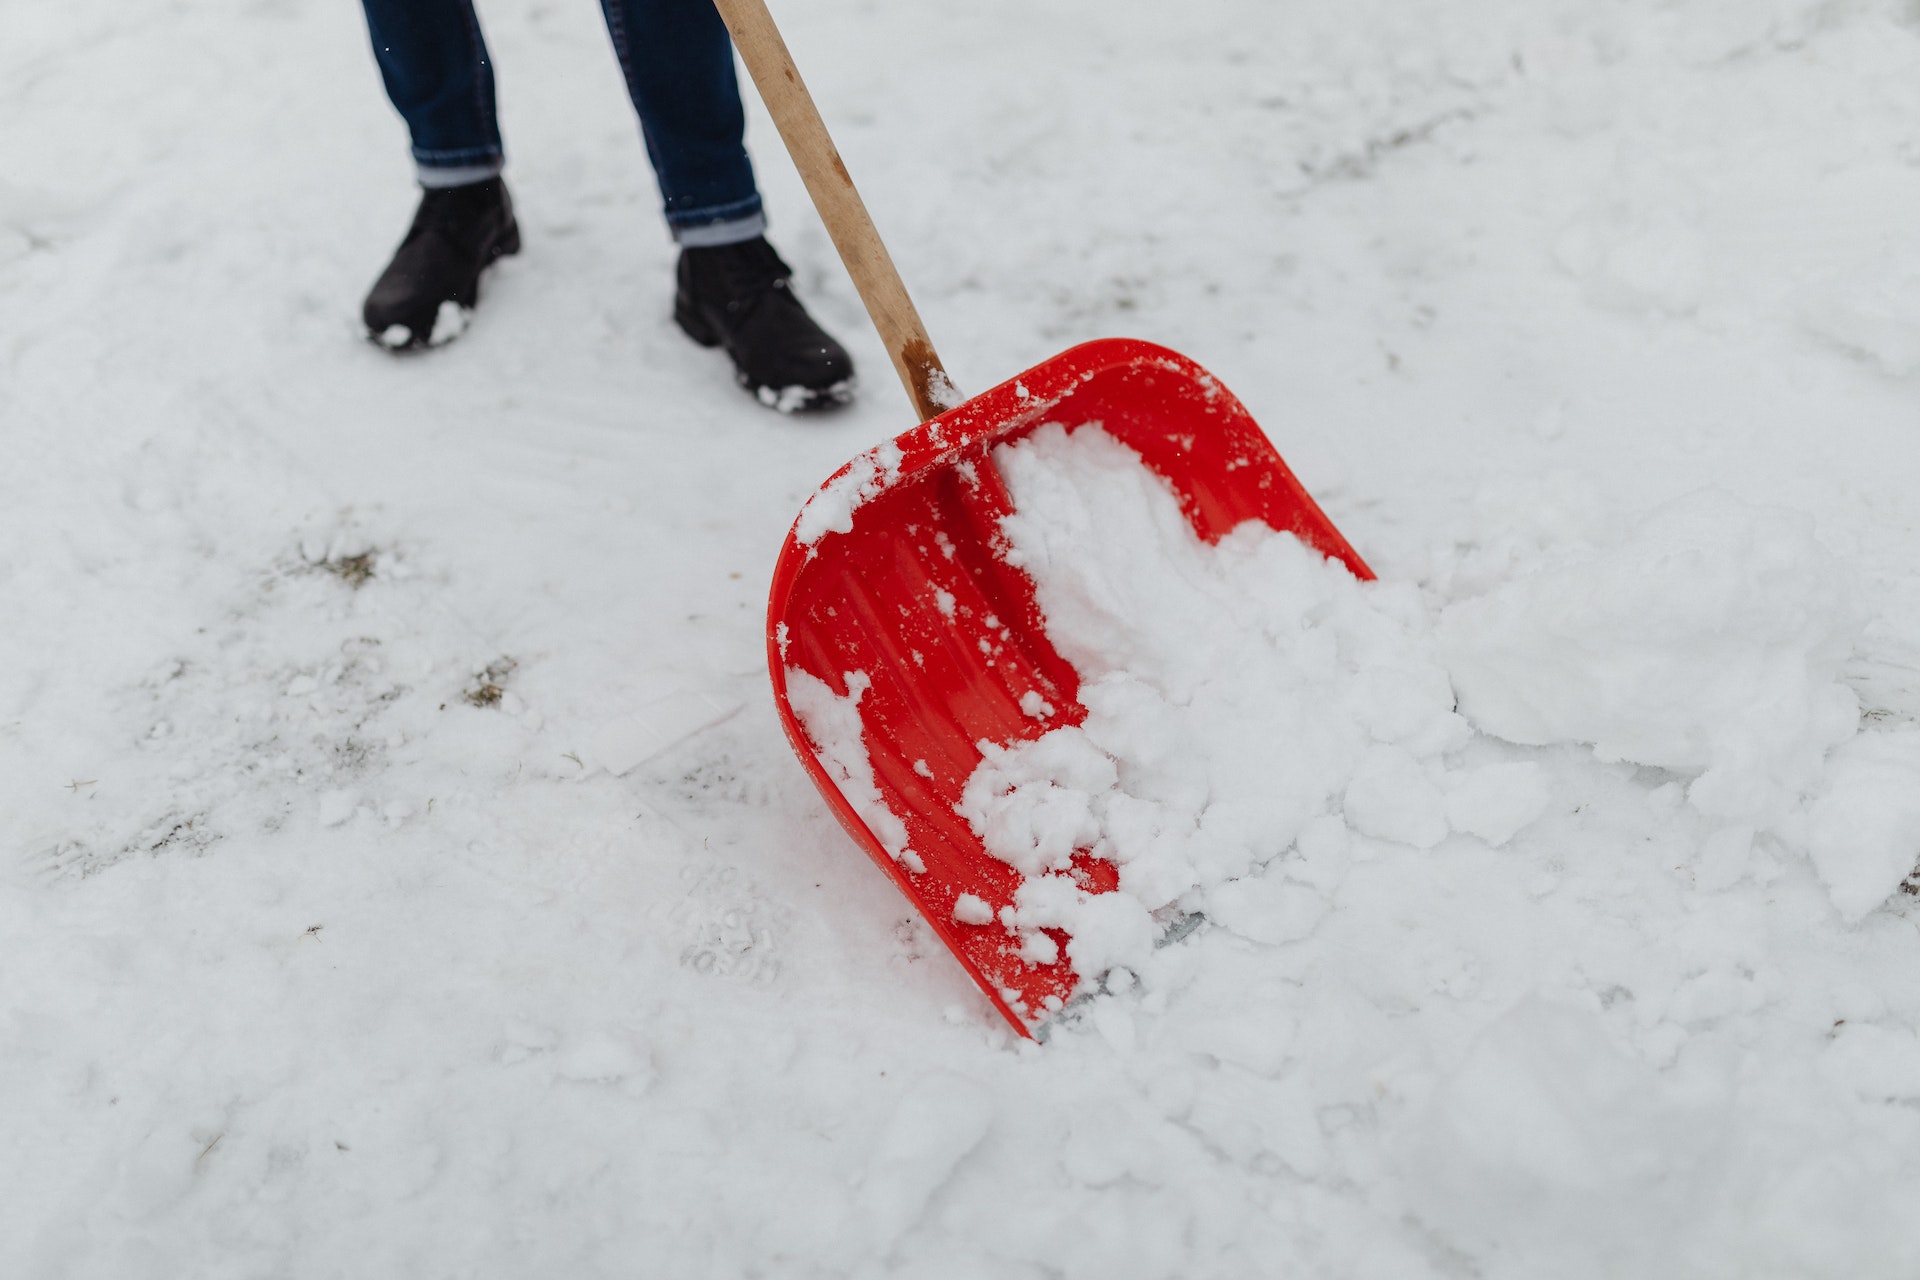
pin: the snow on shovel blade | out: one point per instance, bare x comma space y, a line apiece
899, 639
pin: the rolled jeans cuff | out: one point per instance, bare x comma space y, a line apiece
718, 224
486, 154
433, 176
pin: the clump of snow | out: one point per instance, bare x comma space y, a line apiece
1864, 829
1392, 796
449, 322
1033, 803
942, 392
831, 509
970, 908
1708, 640
1032, 703
833, 726
1497, 801
1266, 910
1104, 929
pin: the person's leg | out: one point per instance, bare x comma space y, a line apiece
733, 289
434, 63
438, 76
678, 63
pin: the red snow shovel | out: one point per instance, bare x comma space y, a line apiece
891, 589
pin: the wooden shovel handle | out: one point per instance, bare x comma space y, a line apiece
840, 206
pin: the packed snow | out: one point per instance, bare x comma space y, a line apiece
386, 889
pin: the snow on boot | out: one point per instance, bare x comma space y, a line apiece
424, 296
740, 296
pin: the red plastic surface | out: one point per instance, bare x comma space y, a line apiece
870, 600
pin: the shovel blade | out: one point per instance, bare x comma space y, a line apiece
891, 589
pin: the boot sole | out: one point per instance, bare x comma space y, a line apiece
792, 400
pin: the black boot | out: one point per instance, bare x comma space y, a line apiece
425, 294
740, 296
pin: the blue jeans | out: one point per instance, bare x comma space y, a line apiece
678, 63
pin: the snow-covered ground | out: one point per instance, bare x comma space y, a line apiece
340, 934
